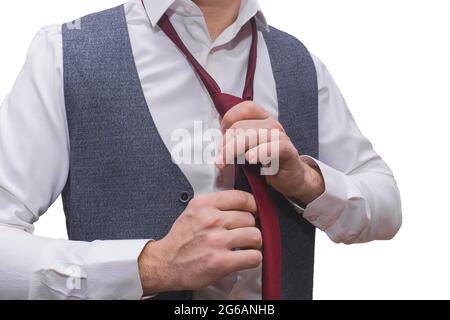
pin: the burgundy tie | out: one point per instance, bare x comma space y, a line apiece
271, 281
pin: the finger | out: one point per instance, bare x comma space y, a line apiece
247, 238
238, 219
240, 126
267, 123
237, 145
243, 259
266, 153
234, 200
246, 110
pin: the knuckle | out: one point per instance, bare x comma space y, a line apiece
210, 261
201, 237
285, 147
215, 261
251, 219
212, 220
242, 198
190, 213
207, 256
196, 211
196, 202
202, 201
215, 239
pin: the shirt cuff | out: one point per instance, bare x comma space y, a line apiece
113, 272
297, 207
325, 212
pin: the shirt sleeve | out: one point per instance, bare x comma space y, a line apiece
361, 201
34, 165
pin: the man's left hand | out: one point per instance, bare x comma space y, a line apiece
253, 134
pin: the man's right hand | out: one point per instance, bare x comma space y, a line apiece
200, 247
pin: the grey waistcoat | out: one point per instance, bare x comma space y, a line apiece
122, 183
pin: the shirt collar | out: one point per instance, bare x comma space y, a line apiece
249, 8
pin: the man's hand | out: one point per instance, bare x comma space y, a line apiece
199, 249
295, 178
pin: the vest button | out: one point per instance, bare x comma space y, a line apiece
185, 197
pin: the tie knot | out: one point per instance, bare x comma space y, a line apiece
224, 102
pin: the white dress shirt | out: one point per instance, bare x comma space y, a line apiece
361, 201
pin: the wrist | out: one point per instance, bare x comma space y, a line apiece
312, 186
153, 271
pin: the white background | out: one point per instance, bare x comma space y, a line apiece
391, 59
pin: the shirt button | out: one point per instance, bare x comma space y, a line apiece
185, 197
188, 10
